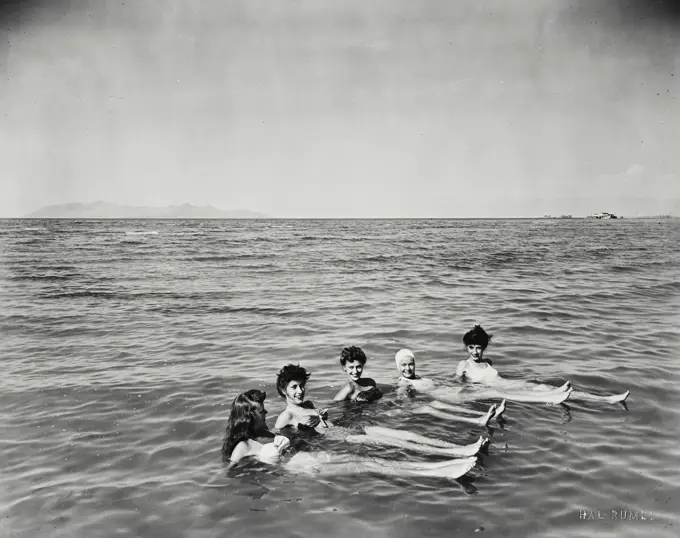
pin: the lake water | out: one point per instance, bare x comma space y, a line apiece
124, 343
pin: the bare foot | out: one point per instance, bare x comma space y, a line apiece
499, 410
474, 448
483, 421
618, 397
481, 443
564, 387
559, 397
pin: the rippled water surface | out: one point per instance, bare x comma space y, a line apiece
124, 342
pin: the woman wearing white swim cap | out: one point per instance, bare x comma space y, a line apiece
410, 383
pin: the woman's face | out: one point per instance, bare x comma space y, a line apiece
407, 367
295, 392
353, 369
476, 352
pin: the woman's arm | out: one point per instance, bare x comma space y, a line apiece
460, 370
344, 393
405, 389
283, 420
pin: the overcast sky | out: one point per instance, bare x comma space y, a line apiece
351, 108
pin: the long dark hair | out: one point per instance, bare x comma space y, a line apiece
241, 423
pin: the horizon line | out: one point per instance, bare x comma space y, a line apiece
663, 216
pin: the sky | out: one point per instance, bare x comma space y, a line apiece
351, 109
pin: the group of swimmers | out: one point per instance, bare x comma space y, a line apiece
247, 418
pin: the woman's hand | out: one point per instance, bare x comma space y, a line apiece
310, 420
281, 442
271, 452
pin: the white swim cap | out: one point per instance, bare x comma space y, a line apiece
403, 353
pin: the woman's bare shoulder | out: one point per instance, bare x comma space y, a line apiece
344, 393
242, 450
284, 419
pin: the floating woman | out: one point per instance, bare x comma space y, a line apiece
412, 383
247, 423
291, 384
353, 360
479, 370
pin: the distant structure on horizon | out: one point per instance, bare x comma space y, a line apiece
603, 216
560, 217
105, 210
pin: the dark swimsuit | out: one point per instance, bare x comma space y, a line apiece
369, 395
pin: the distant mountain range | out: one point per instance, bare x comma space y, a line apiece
105, 210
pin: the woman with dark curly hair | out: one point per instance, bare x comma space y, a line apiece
479, 370
353, 360
247, 423
301, 415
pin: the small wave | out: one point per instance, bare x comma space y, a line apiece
141, 233
35, 229
78, 294
52, 267
625, 269
209, 258
234, 257
45, 278
263, 310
